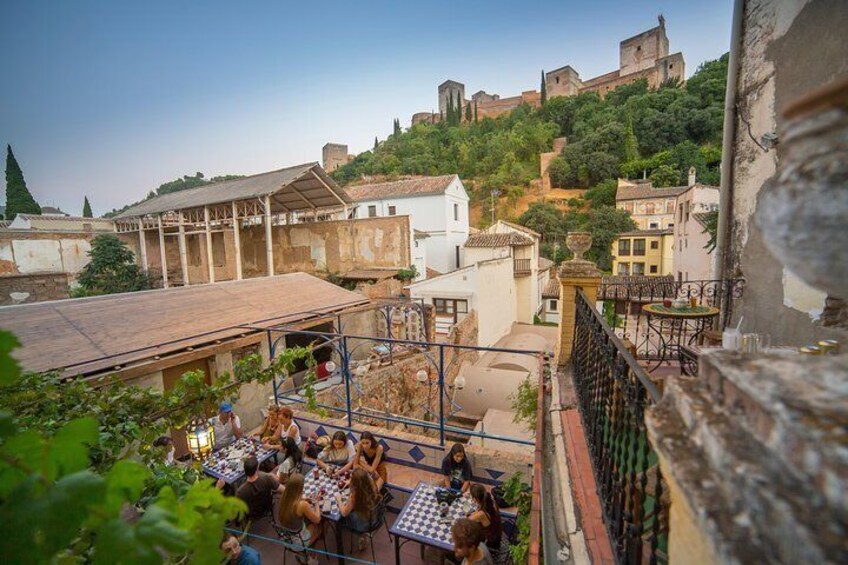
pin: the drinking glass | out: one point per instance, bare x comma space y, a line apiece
750, 344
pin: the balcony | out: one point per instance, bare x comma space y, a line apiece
522, 267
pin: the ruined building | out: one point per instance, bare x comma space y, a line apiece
643, 56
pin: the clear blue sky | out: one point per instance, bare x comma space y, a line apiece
110, 99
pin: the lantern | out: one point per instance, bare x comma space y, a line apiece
201, 438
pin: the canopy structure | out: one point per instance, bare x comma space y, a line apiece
273, 198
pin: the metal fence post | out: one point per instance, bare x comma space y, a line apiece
346, 374
271, 355
442, 395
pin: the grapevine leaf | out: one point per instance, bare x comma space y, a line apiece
69, 447
125, 483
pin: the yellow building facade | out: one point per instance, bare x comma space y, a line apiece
644, 253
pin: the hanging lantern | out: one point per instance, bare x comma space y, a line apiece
201, 438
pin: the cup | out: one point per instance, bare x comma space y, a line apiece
750, 344
731, 339
667, 302
693, 302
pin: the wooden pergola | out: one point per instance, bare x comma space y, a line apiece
273, 198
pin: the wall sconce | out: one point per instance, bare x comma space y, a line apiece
201, 438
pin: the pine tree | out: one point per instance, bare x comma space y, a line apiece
86, 209
544, 89
18, 198
468, 112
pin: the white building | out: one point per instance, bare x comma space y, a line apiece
437, 207
692, 261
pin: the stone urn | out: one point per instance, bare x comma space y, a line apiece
803, 211
578, 242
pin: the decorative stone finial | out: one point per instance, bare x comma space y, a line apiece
578, 242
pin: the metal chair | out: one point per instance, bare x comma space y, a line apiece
378, 520
293, 538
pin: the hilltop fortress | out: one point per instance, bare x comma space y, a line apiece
642, 56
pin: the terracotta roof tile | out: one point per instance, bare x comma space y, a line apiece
497, 240
647, 190
400, 188
551, 289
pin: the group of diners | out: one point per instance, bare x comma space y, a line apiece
362, 467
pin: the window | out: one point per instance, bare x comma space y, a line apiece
392, 210
557, 80
653, 226
552, 305
650, 208
686, 212
638, 268
653, 269
372, 211
624, 268
456, 212
449, 308
623, 247
638, 247
457, 256
670, 225
655, 244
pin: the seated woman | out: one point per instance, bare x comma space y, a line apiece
467, 543
299, 515
337, 455
292, 456
369, 456
360, 507
457, 469
286, 427
489, 517
269, 427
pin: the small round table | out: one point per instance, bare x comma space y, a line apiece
675, 327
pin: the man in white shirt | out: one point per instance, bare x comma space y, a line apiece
227, 426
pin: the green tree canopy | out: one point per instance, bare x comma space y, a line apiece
111, 269
18, 198
86, 208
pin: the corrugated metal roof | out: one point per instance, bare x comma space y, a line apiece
497, 240
95, 334
292, 189
400, 188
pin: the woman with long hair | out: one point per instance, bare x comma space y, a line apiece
489, 517
369, 457
457, 469
292, 456
269, 426
358, 511
337, 454
298, 514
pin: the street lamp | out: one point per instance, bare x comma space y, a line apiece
422, 376
200, 434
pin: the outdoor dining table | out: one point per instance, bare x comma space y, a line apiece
228, 462
312, 483
420, 520
677, 327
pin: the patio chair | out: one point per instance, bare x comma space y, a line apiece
378, 520
293, 538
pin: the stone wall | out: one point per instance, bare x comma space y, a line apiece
23, 252
21, 289
788, 49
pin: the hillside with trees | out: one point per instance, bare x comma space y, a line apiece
633, 132
176, 185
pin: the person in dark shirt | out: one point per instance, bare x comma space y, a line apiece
457, 469
258, 491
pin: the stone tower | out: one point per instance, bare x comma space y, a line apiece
642, 51
334, 155
447, 89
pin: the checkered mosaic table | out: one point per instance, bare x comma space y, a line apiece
311, 486
420, 520
228, 462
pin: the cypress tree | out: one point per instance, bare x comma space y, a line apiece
544, 89
449, 116
375, 143
468, 112
18, 198
396, 127
86, 209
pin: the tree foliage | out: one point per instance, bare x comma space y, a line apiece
78, 477
111, 269
18, 198
86, 208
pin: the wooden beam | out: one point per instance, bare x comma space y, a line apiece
269, 248
333, 192
302, 197
237, 240
162, 252
209, 258
142, 246
183, 256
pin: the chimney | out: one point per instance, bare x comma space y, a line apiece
691, 176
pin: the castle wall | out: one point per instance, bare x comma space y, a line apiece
640, 52
334, 155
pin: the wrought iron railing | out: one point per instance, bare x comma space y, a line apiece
624, 297
613, 392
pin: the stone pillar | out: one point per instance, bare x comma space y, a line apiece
574, 274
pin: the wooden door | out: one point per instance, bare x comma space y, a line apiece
170, 376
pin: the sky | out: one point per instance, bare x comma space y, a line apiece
111, 99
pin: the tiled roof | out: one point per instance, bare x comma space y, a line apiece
647, 190
646, 233
551, 289
521, 228
497, 240
545, 263
433, 273
400, 188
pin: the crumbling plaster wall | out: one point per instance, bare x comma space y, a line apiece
779, 64
43, 252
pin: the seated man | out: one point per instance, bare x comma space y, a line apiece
258, 491
227, 426
239, 554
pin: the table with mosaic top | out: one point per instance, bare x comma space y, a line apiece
228, 462
420, 519
677, 327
